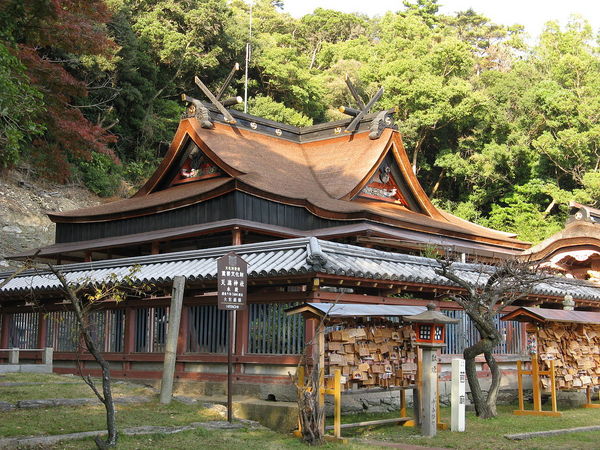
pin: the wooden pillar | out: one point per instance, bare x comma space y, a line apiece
236, 236
88, 257
241, 339
182, 338
155, 249
183, 330
243, 324
129, 338
4, 337
311, 324
42, 330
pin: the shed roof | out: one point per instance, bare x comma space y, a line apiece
356, 310
527, 314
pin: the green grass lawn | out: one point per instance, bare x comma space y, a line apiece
51, 389
480, 434
489, 434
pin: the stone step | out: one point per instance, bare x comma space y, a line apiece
58, 402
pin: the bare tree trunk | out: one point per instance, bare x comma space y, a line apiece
106, 397
485, 405
312, 414
492, 395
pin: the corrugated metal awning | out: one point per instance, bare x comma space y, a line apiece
528, 314
357, 310
287, 257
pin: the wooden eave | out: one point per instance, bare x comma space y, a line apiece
429, 220
396, 146
184, 130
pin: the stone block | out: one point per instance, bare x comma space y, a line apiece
570, 399
278, 416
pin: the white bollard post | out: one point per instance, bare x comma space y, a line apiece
13, 356
47, 356
458, 397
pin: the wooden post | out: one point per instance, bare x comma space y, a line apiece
417, 399
402, 403
337, 402
535, 381
166, 387
236, 236
129, 337
553, 386
319, 355
300, 387
231, 331
4, 337
243, 324
520, 386
182, 338
42, 330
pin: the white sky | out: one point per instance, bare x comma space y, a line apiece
531, 13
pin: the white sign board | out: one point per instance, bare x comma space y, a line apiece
458, 398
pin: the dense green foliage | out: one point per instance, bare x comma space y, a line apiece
500, 131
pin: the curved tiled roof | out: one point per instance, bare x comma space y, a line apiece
318, 176
285, 258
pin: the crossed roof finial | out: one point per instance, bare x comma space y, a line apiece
358, 114
201, 110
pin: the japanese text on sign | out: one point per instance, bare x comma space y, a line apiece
232, 279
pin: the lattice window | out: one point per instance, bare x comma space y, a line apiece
207, 330
107, 328
425, 332
272, 331
151, 329
24, 330
63, 331
464, 334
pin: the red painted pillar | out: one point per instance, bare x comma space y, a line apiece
241, 342
182, 338
311, 325
236, 237
129, 338
42, 330
5, 332
4, 341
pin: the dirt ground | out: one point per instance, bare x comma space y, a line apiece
24, 202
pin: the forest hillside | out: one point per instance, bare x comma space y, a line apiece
502, 129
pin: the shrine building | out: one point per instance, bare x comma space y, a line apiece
320, 214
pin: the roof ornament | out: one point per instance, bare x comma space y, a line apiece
197, 109
379, 122
315, 256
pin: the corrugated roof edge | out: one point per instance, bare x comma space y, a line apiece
318, 251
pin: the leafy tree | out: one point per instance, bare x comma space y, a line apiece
50, 35
20, 106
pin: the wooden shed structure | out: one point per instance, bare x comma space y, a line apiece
570, 338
